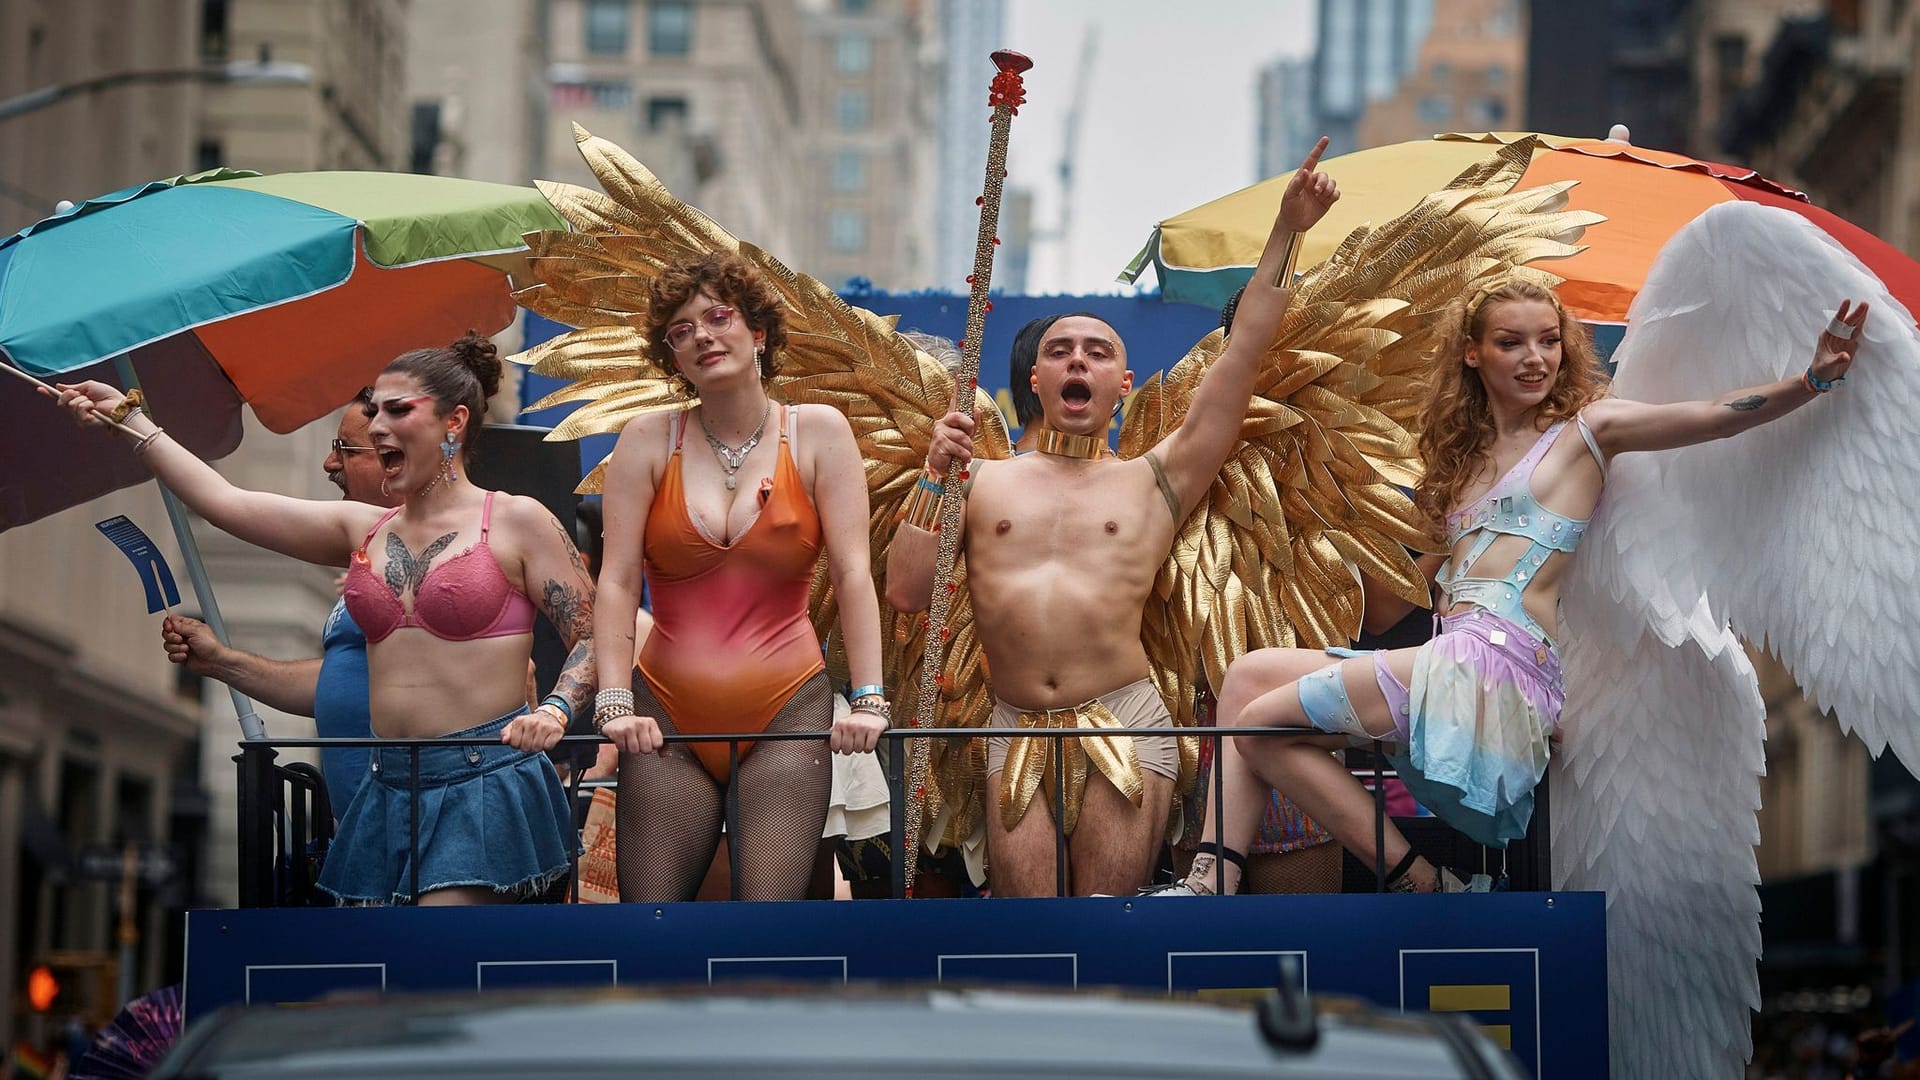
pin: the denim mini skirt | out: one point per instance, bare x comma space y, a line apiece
489, 815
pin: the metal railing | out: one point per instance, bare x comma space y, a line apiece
284, 816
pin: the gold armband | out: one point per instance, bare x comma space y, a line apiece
1284, 279
922, 508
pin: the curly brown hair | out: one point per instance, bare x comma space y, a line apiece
1457, 428
729, 279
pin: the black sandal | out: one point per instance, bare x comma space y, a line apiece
1222, 851
1397, 879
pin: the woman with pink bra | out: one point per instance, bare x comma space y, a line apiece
1515, 440
727, 507
445, 587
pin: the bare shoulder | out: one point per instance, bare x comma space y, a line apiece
822, 422
1602, 415
524, 514
649, 428
818, 417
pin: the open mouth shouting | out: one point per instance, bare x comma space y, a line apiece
1075, 394
393, 461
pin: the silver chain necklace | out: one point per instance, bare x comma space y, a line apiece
730, 458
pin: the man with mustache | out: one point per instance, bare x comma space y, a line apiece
1062, 548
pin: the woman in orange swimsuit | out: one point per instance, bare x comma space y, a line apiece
445, 588
728, 506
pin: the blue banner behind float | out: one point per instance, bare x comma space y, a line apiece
1529, 967
1156, 334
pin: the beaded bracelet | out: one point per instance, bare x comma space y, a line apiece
611, 703
875, 704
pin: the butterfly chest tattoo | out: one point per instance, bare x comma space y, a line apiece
405, 570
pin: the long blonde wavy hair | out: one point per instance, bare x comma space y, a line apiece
1457, 426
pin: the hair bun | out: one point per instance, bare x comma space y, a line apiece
482, 357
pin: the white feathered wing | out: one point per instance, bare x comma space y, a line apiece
1798, 535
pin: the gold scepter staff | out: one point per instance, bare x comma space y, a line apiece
1006, 96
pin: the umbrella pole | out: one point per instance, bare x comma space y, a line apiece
250, 724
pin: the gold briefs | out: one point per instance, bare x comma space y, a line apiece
1026, 766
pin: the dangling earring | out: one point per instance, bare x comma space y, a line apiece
449, 446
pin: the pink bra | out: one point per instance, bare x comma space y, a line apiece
464, 598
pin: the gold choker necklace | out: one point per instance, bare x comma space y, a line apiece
1062, 444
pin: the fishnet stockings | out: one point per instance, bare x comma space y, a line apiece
670, 810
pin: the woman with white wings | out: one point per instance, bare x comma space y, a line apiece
1799, 534
1516, 441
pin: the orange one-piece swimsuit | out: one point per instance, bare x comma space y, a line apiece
731, 641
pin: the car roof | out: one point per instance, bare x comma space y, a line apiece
696, 1031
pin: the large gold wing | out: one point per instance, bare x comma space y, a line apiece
595, 278
1313, 493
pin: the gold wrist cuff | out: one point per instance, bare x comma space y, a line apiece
1284, 279
922, 509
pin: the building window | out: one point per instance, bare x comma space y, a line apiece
853, 109
670, 27
849, 171
1495, 76
666, 112
607, 27
209, 154
856, 7
847, 231
425, 140
1441, 71
1730, 62
853, 54
213, 30
1436, 109
1487, 113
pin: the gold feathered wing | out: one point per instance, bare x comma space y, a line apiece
595, 278
1313, 493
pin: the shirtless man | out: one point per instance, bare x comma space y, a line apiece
1062, 548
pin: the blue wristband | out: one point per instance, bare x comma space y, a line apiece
862, 691
560, 703
1819, 385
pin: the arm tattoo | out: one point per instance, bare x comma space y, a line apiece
405, 570
573, 552
571, 613
576, 679
1747, 404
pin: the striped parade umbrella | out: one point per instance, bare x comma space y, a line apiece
286, 292
1204, 254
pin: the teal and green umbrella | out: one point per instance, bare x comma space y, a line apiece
285, 292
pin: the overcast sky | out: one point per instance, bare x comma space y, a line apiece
1168, 120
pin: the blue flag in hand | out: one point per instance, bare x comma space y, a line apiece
155, 575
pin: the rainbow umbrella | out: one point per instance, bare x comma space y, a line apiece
285, 292
1202, 255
